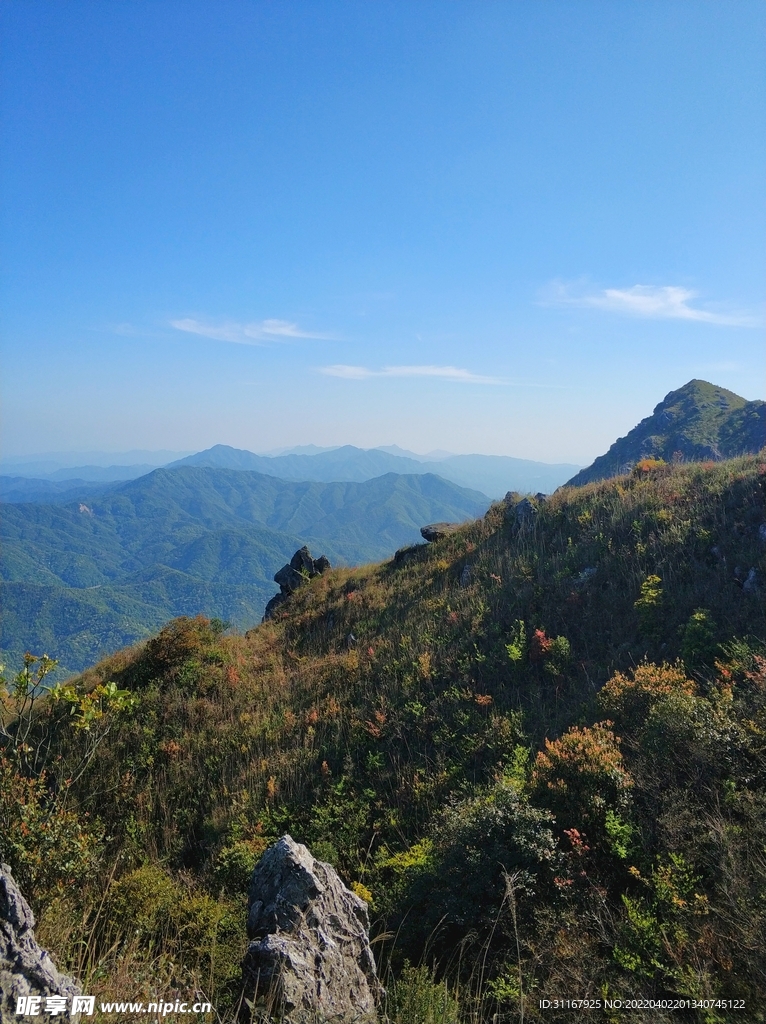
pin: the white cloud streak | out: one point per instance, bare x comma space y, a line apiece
657, 302
258, 333
451, 373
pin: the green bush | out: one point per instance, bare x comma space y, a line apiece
698, 646
49, 847
649, 606
416, 997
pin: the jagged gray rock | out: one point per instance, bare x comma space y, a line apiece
25, 968
294, 574
309, 958
523, 513
289, 579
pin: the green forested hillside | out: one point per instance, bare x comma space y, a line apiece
540, 760
699, 421
85, 579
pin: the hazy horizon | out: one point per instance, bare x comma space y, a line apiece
68, 459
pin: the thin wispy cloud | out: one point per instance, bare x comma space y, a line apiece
260, 332
451, 373
656, 302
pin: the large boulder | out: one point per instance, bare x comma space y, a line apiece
289, 579
26, 969
309, 957
436, 531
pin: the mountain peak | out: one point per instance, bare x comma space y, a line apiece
698, 421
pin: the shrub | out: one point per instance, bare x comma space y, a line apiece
628, 699
153, 910
517, 648
143, 901
553, 652
415, 997
698, 646
582, 775
646, 466
649, 606
234, 864
453, 883
181, 641
50, 848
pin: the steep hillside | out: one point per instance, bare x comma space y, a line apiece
492, 737
699, 421
85, 579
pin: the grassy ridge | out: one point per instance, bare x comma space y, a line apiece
493, 739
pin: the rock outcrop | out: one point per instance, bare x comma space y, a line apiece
301, 568
25, 969
309, 957
438, 530
522, 512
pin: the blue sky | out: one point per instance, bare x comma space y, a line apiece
504, 227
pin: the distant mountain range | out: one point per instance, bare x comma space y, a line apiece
493, 475
698, 422
87, 465
83, 578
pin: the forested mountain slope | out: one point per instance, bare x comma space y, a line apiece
84, 579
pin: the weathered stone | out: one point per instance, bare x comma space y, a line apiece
294, 574
289, 579
525, 512
309, 958
436, 531
404, 553
465, 576
321, 564
25, 968
273, 604
302, 561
